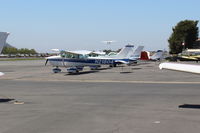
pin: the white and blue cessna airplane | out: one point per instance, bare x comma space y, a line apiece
75, 61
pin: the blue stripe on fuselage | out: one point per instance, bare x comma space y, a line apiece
92, 61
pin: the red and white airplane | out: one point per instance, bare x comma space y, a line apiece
145, 55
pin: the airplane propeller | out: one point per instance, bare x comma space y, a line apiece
46, 61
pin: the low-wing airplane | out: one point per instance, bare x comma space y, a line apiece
188, 58
75, 61
189, 55
180, 67
157, 56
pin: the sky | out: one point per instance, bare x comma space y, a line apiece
84, 24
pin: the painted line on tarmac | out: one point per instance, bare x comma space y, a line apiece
112, 81
141, 82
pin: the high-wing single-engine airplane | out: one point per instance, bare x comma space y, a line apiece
75, 61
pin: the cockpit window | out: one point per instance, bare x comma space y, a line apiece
74, 56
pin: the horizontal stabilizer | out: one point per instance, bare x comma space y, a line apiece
121, 62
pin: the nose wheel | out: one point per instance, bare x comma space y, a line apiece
56, 70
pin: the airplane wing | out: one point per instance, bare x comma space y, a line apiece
181, 67
98, 53
188, 58
80, 52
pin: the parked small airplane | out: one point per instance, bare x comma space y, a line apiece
108, 42
159, 55
189, 55
188, 58
75, 61
180, 67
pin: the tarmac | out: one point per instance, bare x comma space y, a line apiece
129, 99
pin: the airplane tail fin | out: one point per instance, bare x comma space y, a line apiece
125, 51
3, 37
158, 55
144, 55
137, 53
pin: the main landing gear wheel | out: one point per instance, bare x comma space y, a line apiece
56, 70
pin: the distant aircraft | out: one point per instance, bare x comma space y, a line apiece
159, 55
189, 55
188, 58
180, 67
75, 61
109, 42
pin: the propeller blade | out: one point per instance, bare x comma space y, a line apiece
46, 62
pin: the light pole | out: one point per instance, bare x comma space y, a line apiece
183, 44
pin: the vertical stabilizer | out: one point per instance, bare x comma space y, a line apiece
158, 55
125, 51
3, 37
145, 55
136, 54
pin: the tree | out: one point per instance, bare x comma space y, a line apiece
107, 51
12, 50
9, 50
185, 32
32, 51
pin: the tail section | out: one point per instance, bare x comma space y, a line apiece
125, 51
3, 37
145, 55
158, 55
136, 54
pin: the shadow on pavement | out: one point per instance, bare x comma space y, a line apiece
81, 73
4, 100
190, 106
